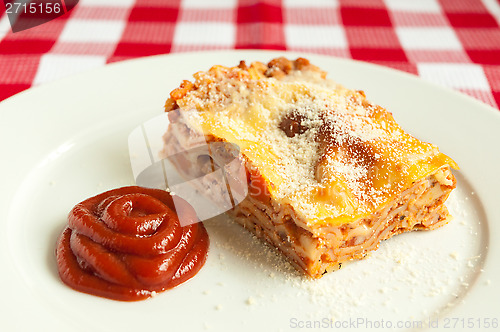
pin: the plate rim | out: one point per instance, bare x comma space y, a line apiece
7, 103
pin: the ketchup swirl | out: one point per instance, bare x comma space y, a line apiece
127, 243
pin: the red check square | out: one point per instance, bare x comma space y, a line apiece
7, 90
378, 54
486, 57
259, 12
26, 46
158, 14
140, 49
365, 17
463, 20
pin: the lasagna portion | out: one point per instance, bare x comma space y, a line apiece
327, 174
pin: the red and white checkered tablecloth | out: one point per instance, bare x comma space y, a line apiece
455, 43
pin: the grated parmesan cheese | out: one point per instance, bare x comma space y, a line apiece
351, 152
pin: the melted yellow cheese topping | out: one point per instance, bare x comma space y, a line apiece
349, 159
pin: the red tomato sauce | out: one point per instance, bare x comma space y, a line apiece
128, 244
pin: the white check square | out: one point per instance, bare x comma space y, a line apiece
310, 3
113, 3
208, 33
54, 67
454, 75
423, 38
422, 6
204, 4
4, 26
315, 36
92, 31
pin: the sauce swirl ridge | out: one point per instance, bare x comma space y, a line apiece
127, 244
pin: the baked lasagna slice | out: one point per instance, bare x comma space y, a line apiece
328, 175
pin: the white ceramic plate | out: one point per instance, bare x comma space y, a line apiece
66, 141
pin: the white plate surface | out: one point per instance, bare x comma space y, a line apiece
66, 141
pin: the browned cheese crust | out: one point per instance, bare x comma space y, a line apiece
356, 177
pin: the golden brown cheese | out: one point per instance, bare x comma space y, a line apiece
320, 147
